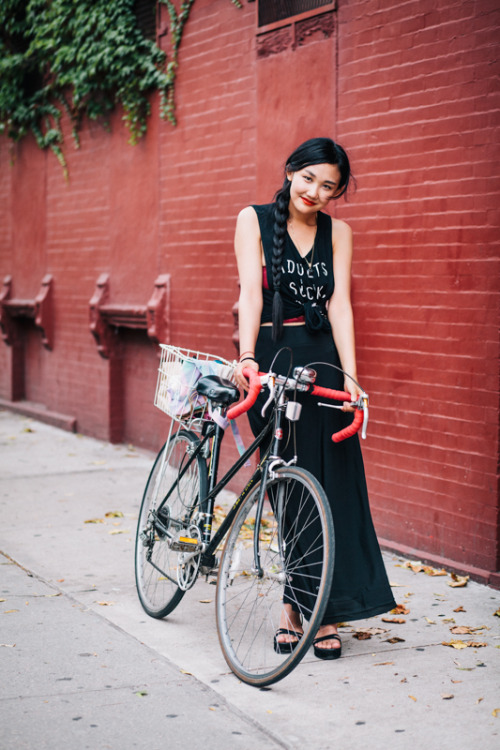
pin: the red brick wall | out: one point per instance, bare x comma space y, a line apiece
409, 89
418, 110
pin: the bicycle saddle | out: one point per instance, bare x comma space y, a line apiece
218, 390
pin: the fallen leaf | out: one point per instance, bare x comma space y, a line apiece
456, 682
95, 520
398, 620
400, 609
184, 671
404, 680
476, 644
141, 693
465, 629
479, 700
383, 663
497, 613
372, 631
455, 644
206, 601
362, 636
7, 645
3, 600
60, 580
211, 708
396, 585
413, 698
417, 567
395, 640
447, 696
458, 581
10, 611
106, 604
459, 609
119, 531
431, 622
449, 619
495, 712
114, 514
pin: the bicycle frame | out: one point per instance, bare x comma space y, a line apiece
271, 456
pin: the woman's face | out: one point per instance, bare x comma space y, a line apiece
313, 187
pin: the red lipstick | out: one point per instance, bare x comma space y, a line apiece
307, 201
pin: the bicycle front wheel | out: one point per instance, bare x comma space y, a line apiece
296, 549
161, 571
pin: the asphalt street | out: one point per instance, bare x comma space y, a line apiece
83, 666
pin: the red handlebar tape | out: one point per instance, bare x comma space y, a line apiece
349, 431
251, 397
256, 387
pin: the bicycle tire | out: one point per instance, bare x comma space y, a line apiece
157, 587
297, 545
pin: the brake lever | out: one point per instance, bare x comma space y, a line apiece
364, 399
270, 383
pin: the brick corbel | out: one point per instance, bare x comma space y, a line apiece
106, 318
40, 310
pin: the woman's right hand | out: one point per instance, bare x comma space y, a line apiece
240, 379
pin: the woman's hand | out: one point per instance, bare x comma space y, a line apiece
351, 387
240, 379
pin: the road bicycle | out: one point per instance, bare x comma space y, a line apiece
278, 535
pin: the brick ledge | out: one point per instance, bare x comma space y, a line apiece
40, 412
481, 575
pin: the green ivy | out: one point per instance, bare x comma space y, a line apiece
82, 57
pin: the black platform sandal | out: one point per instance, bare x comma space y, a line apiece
287, 646
327, 653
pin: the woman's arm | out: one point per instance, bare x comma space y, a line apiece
340, 312
248, 251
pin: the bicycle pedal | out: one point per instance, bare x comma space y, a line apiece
185, 544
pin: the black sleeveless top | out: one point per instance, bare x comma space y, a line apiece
304, 291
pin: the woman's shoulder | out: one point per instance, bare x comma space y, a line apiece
340, 229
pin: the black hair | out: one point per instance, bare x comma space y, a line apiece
313, 151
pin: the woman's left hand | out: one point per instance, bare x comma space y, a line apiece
351, 387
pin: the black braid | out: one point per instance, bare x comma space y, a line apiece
282, 199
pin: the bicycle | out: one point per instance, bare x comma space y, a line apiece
279, 537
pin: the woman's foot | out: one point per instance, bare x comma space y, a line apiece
289, 632
327, 643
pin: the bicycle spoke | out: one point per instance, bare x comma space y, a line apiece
172, 493
296, 558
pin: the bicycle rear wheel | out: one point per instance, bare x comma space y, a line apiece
296, 542
159, 569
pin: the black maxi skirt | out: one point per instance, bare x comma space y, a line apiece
360, 587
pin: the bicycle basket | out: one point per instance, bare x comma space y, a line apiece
178, 374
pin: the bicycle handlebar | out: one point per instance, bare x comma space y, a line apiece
358, 420
316, 390
251, 397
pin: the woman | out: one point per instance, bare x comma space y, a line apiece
294, 265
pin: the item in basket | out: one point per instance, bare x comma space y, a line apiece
177, 395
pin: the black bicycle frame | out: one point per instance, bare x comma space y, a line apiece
207, 503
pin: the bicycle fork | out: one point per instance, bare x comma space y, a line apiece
273, 461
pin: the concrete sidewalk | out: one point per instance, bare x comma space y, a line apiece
84, 667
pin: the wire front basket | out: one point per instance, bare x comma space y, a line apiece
178, 375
